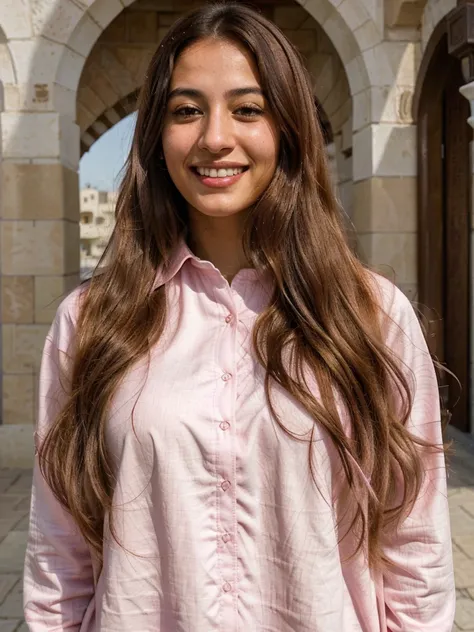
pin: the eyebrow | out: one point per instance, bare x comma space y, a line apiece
192, 93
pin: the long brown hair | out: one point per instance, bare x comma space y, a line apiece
323, 307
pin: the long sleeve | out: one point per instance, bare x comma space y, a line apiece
58, 573
420, 594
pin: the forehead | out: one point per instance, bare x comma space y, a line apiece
212, 64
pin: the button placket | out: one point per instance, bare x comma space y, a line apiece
225, 523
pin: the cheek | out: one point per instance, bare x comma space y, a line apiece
176, 145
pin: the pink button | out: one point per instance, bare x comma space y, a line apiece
225, 485
226, 537
224, 425
228, 318
226, 377
226, 587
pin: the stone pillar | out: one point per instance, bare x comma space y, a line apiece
384, 165
468, 92
39, 233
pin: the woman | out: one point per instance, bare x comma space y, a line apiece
231, 436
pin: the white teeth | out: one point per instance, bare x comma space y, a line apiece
219, 173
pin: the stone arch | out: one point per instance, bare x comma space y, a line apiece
435, 11
349, 26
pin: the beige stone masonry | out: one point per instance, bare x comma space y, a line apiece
394, 252
39, 192
385, 150
386, 205
18, 300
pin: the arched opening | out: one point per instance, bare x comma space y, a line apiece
444, 203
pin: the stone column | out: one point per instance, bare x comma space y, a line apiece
384, 167
468, 92
39, 233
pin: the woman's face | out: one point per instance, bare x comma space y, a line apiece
220, 141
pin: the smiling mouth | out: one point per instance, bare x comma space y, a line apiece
219, 173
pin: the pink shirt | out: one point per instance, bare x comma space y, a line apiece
221, 524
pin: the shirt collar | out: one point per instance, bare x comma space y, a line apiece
166, 272
181, 254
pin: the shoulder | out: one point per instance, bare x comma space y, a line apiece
64, 325
400, 323
394, 304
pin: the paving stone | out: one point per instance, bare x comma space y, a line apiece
22, 485
12, 552
23, 628
13, 604
465, 614
465, 544
462, 523
6, 584
13, 502
464, 573
460, 496
24, 524
10, 626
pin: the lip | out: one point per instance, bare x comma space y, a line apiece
219, 165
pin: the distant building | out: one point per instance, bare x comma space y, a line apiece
97, 222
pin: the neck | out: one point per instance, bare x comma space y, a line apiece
219, 240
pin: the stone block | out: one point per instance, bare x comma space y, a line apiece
394, 251
85, 35
70, 69
33, 192
104, 11
17, 299
305, 41
357, 75
16, 22
385, 205
19, 399
36, 61
49, 291
57, 22
378, 67
343, 40
22, 348
385, 150
353, 14
368, 35
41, 247
16, 448
30, 135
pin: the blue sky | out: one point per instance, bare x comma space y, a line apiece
100, 167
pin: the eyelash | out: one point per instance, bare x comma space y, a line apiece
188, 111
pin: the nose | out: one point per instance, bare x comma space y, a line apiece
217, 132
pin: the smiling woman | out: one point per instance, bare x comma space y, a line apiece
230, 435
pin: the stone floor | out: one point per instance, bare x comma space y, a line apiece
14, 506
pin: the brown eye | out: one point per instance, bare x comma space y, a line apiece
249, 111
186, 111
